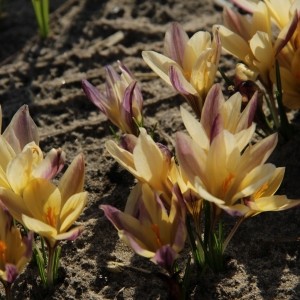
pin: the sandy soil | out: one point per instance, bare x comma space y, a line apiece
262, 261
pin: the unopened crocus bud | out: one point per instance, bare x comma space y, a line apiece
122, 101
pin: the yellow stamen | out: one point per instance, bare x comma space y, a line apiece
155, 229
50, 217
259, 193
3, 248
227, 181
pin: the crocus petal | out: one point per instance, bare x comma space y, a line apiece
94, 95
175, 42
211, 107
149, 161
126, 112
123, 157
285, 35
192, 158
273, 203
11, 273
194, 128
39, 227
73, 179
255, 179
234, 44
71, 210
14, 203
262, 49
165, 257
248, 113
140, 238
6, 153
198, 43
19, 170
70, 235
43, 200
21, 130
179, 82
159, 63
183, 87
51, 165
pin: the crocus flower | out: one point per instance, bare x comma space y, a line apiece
147, 161
250, 39
50, 210
148, 227
122, 101
226, 176
24, 167
218, 114
15, 251
188, 65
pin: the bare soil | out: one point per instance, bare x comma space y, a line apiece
262, 261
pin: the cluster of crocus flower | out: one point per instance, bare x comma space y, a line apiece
26, 188
218, 167
122, 101
254, 41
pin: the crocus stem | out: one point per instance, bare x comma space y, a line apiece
232, 232
284, 123
50, 267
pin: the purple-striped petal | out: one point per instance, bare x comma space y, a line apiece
21, 130
93, 95
211, 107
165, 257
175, 42
127, 112
51, 165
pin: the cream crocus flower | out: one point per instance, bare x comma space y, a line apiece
250, 39
51, 210
21, 159
188, 65
147, 161
15, 251
122, 101
226, 176
148, 227
218, 114
24, 167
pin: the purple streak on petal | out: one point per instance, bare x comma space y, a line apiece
11, 273
193, 100
51, 165
124, 69
175, 42
211, 107
75, 234
128, 142
112, 214
165, 257
127, 114
93, 95
216, 127
293, 26
21, 130
176, 82
165, 152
